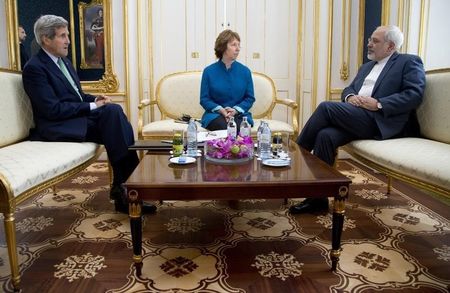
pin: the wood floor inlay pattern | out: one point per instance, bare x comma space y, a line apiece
73, 241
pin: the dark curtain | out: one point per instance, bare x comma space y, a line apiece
372, 20
30, 10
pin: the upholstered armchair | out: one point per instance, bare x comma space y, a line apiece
179, 93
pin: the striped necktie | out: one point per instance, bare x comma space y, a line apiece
66, 73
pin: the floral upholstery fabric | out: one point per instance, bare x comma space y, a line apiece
29, 163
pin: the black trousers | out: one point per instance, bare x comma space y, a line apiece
109, 126
335, 124
220, 123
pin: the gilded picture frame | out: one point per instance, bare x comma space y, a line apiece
89, 57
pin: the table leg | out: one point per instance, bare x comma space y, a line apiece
338, 224
135, 214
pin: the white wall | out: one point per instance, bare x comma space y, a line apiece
437, 46
4, 58
425, 24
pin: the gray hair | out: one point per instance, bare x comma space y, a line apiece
394, 34
46, 26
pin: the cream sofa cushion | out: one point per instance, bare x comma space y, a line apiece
433, 113
423, 159
164, 128
274, 125
16, 116
29, 163
179, 94
265, 95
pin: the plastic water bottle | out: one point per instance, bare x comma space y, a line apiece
245, 128
192, 138
265, 152
258, 137
231, 128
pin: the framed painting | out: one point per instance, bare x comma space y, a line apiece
90, 24
90, 37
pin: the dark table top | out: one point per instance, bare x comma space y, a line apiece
307, 176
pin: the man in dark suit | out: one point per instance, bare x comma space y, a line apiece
63, 112
23, 53
380, 103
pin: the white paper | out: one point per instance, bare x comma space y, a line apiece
209, 135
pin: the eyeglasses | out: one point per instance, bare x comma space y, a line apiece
374, 41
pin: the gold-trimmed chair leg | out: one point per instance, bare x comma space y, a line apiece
10, 231
389, 184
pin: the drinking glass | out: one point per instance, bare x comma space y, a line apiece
285, 140
177, 143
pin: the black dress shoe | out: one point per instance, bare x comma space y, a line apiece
119, 195
310, 205
116, 191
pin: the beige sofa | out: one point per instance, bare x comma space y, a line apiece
425, 161
179, 93
27, 167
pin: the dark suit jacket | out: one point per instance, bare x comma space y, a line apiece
399, 89
59, 114
23, 56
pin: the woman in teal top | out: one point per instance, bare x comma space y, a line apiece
227, 85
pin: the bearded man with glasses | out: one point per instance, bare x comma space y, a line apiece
380, 103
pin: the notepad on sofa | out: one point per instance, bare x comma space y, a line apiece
151, 144
209, 135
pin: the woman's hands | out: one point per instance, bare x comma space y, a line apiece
231, 111
227, 112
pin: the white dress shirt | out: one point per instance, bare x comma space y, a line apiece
370, 80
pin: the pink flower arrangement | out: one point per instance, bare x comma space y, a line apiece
230, 148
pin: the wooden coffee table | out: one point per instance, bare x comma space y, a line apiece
155, 178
